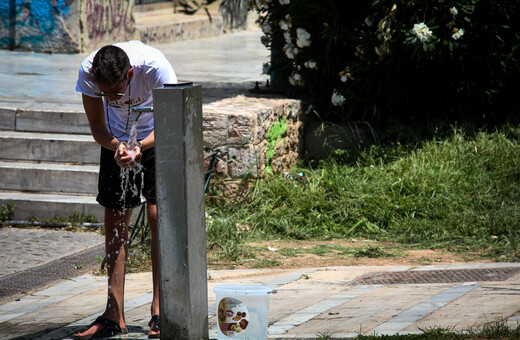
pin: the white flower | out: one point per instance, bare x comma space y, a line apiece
266, 28
302, 38
285, 2
295, 79
337, 99
345, 75
285, 24
310, 64
422, 32
458, 34
291, 51
368, 21
287, 36
454, 11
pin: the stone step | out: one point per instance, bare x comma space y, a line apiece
59, 121
50, 118
49, 177
237, 125
48, 147
44, 206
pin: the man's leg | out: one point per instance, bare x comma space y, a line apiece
148, 162
116, 254
116, 245
152, 222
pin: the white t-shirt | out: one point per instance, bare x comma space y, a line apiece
151, 70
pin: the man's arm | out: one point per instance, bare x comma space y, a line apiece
96, 119
149, 141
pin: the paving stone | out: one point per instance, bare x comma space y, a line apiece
439, 276
18, 246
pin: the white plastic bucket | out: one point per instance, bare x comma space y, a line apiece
242, 311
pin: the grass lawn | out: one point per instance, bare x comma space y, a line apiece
458, 192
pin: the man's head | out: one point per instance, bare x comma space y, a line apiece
111, 69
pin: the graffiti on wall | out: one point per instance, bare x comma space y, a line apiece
58, 26
112, 18
33, 20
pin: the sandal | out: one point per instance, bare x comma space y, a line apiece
155, 325
110, 328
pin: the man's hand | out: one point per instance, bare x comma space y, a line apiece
127, 156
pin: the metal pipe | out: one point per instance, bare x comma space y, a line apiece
140, 110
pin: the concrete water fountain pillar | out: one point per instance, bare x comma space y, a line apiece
180, 211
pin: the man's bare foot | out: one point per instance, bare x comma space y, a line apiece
89, 332
101, 328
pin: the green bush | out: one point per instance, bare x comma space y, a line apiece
394, 59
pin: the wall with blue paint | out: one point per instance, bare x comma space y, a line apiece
64, 26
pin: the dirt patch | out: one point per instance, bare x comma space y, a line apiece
302, 254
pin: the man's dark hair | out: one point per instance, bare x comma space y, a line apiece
110, 66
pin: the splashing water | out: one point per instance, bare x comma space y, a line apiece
134, 171
132, 137
128, 176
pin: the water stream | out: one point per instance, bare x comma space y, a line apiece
130, 171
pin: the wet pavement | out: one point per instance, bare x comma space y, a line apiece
34, 258
49, 292
308, 302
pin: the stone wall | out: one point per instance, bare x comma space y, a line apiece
81, 26
59, 26
104, 22
246, 130
194, 28
40, 25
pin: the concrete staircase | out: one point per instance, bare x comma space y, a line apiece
48, 167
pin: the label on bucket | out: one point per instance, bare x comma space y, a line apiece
233, 316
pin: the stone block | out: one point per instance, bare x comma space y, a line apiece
34, 177
52, 121
153, 33
29, 146
243, 161
239, 127
7, 118
214, 128
46, 206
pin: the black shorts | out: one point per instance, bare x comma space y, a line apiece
111, 189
